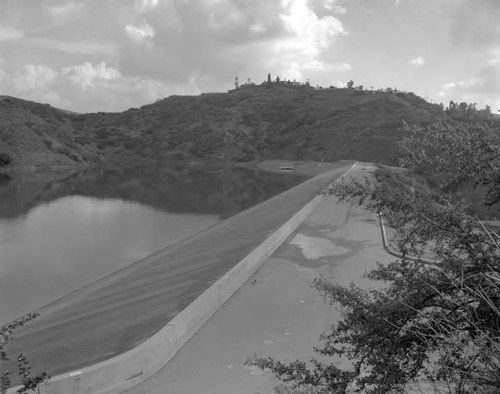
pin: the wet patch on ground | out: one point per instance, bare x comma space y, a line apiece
312, 250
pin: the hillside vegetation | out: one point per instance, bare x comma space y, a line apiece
280, 120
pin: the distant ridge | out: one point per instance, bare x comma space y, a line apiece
280, 120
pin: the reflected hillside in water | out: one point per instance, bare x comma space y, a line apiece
170, 187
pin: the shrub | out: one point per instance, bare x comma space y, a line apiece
4, 179
433, 321
29, 382
4, 159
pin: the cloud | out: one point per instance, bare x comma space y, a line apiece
145, 5
257, 28
224, 15
475, 23
74, 47
307, 36
419, 61
185, 46
10, 33
88, 76
481, 88
65, 10
334, 6
140, 33
89, 87
34, 77
494, 56
32, 81
341, 67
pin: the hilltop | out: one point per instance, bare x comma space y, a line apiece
280, 120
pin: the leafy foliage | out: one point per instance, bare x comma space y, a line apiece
456, 152
437, 322
4, 159
29, 382
468, 112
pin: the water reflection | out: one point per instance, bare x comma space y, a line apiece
72, 241
60, 231
170, 187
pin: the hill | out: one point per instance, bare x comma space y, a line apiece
33, 134
280, 120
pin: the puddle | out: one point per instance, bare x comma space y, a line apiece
314, 248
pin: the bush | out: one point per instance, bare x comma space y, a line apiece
4, 179
4, 159
434, 321
29, 382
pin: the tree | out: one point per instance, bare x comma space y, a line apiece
350, 84
438, 321
456, 153
269, 81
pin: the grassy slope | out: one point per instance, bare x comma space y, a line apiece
280, 121
37, 134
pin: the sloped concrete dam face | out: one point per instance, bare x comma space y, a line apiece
121, 311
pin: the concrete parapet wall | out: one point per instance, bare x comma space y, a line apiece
135, 366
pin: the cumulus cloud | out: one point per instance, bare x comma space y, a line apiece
257, 28
161, 47
35, 77
32, 81
334, 6
419, 61
88, 76
89, 87
145, 5
307, 36
140, 32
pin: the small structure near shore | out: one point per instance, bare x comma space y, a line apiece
286, 167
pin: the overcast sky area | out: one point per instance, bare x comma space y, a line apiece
109, 55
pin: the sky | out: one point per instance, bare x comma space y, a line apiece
110, 55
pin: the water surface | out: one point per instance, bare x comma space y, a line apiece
63, 245
60, 231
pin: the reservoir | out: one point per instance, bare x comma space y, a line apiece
59, 232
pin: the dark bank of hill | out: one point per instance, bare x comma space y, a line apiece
282, 121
